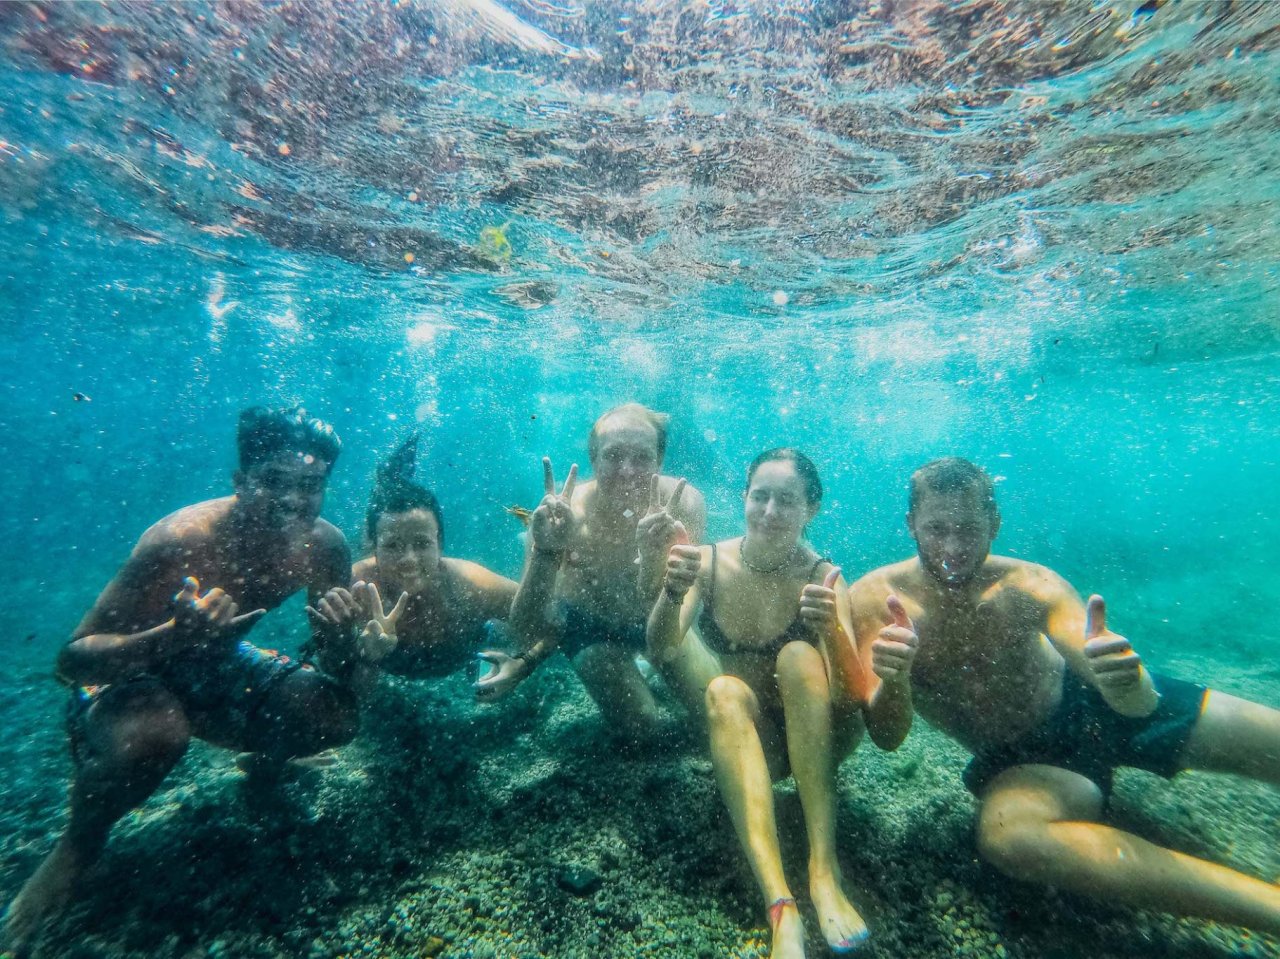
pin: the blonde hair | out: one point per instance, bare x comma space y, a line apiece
658, 421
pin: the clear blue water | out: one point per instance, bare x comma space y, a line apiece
1037, 235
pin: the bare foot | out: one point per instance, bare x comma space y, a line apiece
788, 930
842, 925
256, 764
46, 894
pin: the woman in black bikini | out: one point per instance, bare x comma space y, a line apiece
446, 605
772, 669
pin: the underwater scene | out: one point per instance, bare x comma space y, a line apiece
954, 326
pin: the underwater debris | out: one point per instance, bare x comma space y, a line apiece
81, 397
494, 244
519, 512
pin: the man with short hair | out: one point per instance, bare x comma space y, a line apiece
595, 557
1003, 656
162, 655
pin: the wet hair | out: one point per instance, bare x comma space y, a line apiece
263, 433
394, 490
953, 475
658, 421
804, 467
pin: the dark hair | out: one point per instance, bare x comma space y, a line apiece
953, 475
394, 491
263, 433
657, 420
804, 467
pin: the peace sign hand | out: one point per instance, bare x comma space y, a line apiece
1115, 666
552, 524
656, 531
818, 604
379, 636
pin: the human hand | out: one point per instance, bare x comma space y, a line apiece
337, 608
1116, 668
506, 674
818, 604
683, 562
552, 524
210, 616
378, 638
656, 530
894, 650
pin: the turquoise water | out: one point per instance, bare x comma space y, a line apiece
1040, 236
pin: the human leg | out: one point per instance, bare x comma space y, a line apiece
1234, 735
1038, 823
811, 746
609, 674
300, 713
124, 743
738, 753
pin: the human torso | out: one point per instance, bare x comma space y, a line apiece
600, 572
985, 673
439, 629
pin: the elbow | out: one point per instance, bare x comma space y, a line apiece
71, 666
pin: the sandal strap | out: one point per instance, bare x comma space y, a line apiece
776, 907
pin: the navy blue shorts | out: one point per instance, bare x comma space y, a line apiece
1086, 736
581, 629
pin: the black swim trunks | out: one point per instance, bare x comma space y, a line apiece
581, 629
222, 695
1086, 736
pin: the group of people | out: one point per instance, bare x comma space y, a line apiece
759, 636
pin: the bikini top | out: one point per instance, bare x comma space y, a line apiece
715, 639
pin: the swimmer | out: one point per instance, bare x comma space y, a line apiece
162, 655
772, 670
1003, 656
594, 560
446, 607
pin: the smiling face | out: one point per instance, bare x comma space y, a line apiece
625, 457
282, 495
777, 508
407, 547
953, 533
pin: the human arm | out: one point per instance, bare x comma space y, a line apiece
551, 530
887, 643
825, 608
677, 601
138, 622
1105, 660
492, 596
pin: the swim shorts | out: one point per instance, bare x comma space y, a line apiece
1086, 736
582, 629
222, 696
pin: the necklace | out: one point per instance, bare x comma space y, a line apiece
765, 570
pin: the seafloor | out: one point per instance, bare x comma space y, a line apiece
518, 830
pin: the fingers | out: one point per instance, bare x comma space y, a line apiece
190, 590
570, 482
1128, 662
898, 612
1095, 617
375, 602
1097, 648
675, 497
654, 500
398, 611
681, 534
548, 478
829, 581
252, 617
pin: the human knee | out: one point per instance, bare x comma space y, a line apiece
153, 732
727, 697
1017, 846
800, 666
308, 715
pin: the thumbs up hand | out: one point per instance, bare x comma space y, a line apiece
894, 650
1116, 668
818, 604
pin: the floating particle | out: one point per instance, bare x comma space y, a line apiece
413, 196
780, 298
709, 435
408, 258
392, 417
82, 398
284, 149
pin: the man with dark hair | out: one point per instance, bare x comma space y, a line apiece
1003, 656
595, 558
162, 655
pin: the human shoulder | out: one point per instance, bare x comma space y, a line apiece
365, 570
184, 530
1035, 581
478, 577
879, 583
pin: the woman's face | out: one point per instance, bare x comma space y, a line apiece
407, 547
777, 508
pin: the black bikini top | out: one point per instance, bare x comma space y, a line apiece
715, 639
